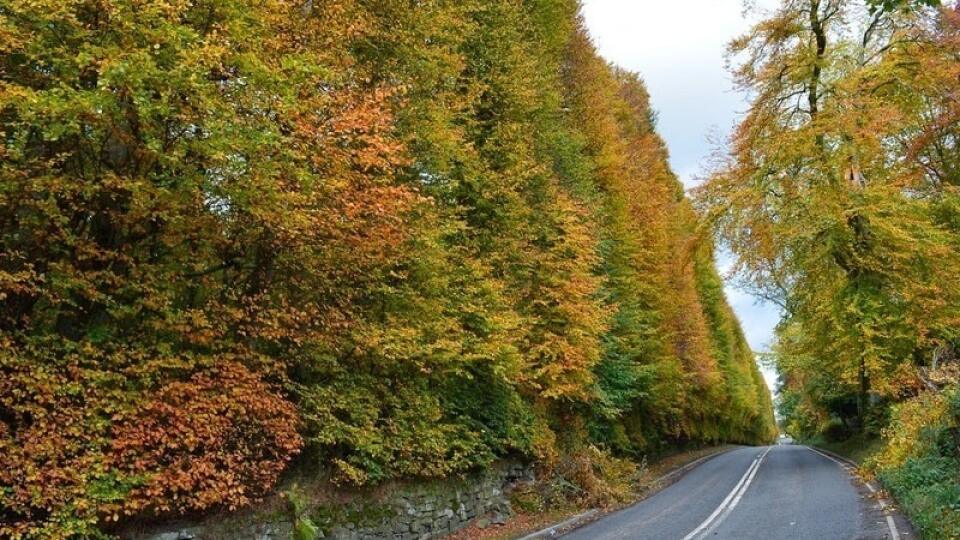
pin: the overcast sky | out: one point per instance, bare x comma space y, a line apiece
678, 48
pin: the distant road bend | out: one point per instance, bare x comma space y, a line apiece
781, 492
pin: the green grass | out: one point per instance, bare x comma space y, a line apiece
928, 489
857, 448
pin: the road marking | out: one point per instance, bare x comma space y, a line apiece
736, 500
846, 466
732, 499
891, 523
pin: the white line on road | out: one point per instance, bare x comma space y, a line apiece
736, 500
891, 523
732, 499
831, 458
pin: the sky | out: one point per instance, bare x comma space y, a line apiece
678, 48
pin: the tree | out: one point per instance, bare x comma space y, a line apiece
820, 204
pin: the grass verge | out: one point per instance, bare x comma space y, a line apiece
858, 448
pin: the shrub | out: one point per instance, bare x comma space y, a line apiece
928, 488
594, 477
919, 463
219, 439
82, 446
912, 429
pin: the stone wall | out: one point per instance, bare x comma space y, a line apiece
408, 511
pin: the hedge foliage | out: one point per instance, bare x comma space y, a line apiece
408, 237
920, 462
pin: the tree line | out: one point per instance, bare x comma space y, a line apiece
378, 239
840, 195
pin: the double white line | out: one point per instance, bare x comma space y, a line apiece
731, 502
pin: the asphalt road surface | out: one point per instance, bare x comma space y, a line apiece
757, 493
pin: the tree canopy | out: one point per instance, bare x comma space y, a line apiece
840, 199
390, 239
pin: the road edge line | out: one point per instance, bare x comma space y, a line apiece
552, 530
850, 467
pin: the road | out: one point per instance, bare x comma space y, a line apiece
756, 493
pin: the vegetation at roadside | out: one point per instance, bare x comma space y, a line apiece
840, 197
538, 507
920, 464
377, 239
858, 448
